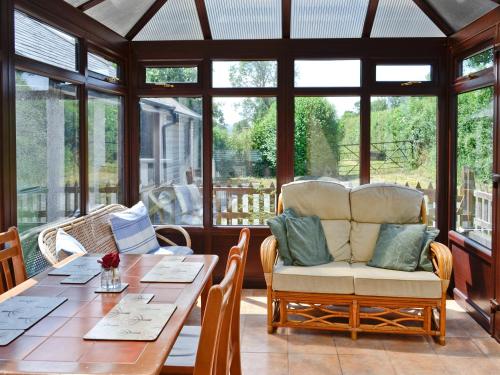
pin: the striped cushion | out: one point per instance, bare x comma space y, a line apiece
189, 197
133, 231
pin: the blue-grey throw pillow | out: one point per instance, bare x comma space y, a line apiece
398, 247
306, 241
424, 263
278, 229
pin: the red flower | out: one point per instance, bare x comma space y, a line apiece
111, 260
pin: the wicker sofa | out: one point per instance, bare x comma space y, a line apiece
93, 231
346, 294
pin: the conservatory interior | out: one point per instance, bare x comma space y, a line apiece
250, 187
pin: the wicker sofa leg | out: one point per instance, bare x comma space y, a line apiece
442, 321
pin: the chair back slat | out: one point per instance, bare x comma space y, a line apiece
217, 317
12, 270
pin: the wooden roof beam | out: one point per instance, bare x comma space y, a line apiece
89, 4
286, 16
146, 17
370, 17
439, 21
203, 17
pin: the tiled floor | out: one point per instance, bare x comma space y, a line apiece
469, 349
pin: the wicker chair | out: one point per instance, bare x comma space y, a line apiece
94, 233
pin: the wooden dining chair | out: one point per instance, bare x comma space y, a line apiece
213, 342
12, 270
182, 357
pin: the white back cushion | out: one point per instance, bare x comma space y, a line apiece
337, 238
386, 203
363, 239
328, 200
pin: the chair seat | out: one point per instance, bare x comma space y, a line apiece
174, 250
182, 357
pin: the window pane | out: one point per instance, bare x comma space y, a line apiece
244, 160
172, 74
326, 139
102, 66
44, 43
327, 73
475, 164
477, 62
403, 73
245, 73
105, 137
171, 159
47, 149
403, 144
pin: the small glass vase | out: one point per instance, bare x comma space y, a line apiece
110, 279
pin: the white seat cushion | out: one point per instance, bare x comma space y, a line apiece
173, 250
334, 277
371, 281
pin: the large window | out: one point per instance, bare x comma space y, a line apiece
105, 139
244, 160
403, 144
475, 165
327, 138
47, 155
171, 159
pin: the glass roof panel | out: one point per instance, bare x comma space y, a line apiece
176, 20
328, 18
459, 13
402, 19
76, 3
244, 19
119, 15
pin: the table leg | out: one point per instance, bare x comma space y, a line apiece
204, 295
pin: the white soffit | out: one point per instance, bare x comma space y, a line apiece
76, 3
402, 19
119, 15
176, 20
328, 18
244, 19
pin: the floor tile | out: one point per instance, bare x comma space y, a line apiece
364, 345
313, 364
312, 343
468, 365
259, 341
364, 365
416, 363
488, 346
407, 343
458, 346
264, 363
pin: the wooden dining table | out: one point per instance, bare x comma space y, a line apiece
56, 345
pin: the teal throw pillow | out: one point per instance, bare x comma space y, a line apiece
424, 263
398, 247
306, 241
278, 229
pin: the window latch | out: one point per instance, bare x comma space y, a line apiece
411, 83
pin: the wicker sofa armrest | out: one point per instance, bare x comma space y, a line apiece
268, 256
173, 227
443, 262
